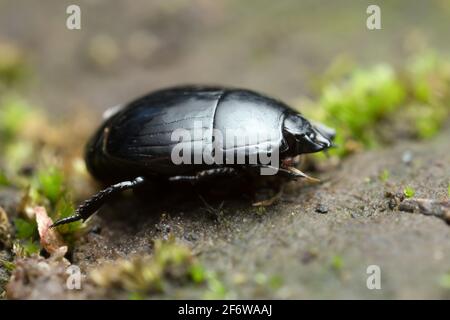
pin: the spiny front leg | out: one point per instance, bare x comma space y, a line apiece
90, 206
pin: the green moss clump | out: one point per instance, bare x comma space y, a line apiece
384, 176
170, 265
14, 114
26, 243
409, 192
428, 77
337, 263
444, 281
356, 105
216, 289
366, 98
44, 182
65, 208
25, 229
8, 265
197, 273
4, 181
365, 103
50, 184
26, 248
13, 66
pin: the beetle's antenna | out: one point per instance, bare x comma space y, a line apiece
90, 206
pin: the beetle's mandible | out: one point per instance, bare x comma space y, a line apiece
134, 145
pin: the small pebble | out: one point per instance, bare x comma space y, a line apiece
308, 256
96, 229
322, 209
407, 157
191, 236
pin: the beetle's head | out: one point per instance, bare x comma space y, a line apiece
303, 137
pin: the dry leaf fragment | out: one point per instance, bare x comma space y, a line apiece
51, 240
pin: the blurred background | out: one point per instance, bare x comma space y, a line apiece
125, 49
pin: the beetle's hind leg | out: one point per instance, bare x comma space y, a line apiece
271, 200
90, 206
214, 212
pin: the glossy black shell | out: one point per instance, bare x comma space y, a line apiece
137, 139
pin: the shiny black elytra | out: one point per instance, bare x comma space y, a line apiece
134, 145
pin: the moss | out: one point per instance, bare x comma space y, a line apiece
272, 282
4, 181
357, 104
275, 282
429, 75
64, 209
444, 281
136, 296
31, 247
384, 176
25, 229
260, 278
8, 265
409, 192
172, 264
365, 103
337, 263
430, 121
18, 154
197, 273
216, 289
13, 65
14, 114
6, 268
171, 267
45, 183
26, 248
50, 183
27, 236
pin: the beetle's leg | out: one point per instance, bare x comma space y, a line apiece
216, 213
225, 171
271, 200
90, 206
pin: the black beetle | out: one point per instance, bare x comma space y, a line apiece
135, 145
